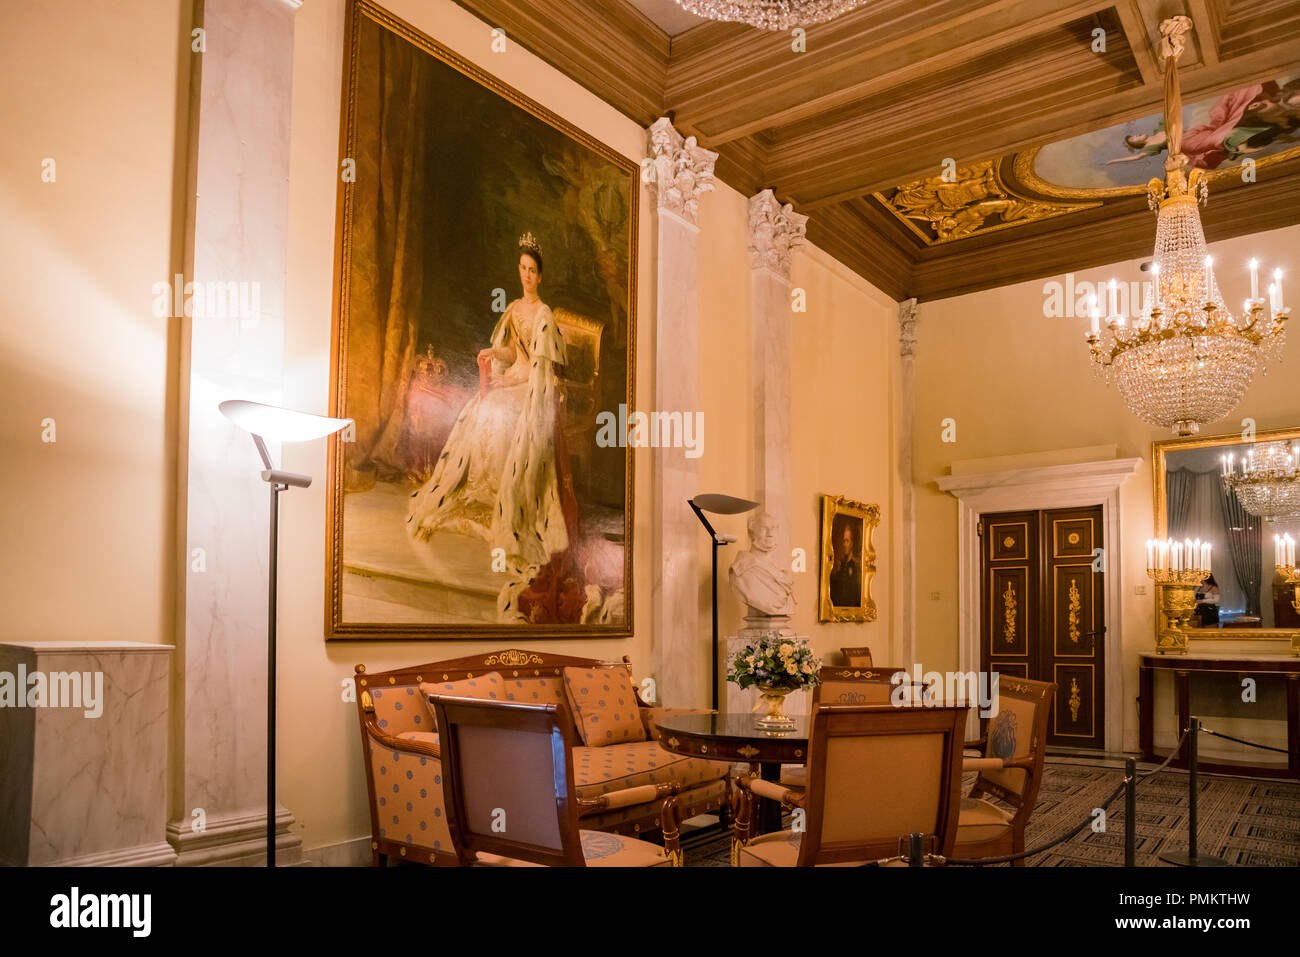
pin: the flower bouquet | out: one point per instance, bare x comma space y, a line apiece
777, 665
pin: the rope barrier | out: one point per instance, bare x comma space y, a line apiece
1178, 747
1219, 734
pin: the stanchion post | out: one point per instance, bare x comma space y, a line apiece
915, 856
1130, 811
1190, 857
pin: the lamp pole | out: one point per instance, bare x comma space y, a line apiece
713, 539
276, 489
719, 505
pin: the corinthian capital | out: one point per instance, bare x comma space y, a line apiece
907, 327
775, 231
682, 170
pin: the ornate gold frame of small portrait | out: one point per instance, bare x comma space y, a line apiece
847, 564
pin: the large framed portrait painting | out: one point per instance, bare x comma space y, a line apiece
484, 317
848, 560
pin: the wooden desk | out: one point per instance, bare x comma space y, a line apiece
733, 737
1240, 665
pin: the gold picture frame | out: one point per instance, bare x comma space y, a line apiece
848, 560
435, 370
1159, 467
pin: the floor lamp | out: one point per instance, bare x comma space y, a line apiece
717, 505
282, 425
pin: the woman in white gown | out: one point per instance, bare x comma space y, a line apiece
497, 476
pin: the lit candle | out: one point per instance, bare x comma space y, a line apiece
1197, 555
1277, 550
1273, 300
1095, 314
1206, 566
1290, 551
1277, 280
1209, 277
1254, 278
1164, 554
1114, 299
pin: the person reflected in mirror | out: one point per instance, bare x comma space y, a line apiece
1207, 603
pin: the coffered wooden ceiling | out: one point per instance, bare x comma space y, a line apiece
884, 95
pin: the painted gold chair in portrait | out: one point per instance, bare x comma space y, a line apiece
484, 316
848, 560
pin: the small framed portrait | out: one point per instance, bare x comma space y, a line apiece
848, 560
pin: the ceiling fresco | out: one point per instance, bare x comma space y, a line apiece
1259, 123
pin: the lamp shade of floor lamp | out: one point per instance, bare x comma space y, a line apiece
717, 504
282, 425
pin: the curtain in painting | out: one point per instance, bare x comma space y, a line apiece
385, 282
1244, 546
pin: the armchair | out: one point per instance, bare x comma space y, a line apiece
510, 791
1011, 769
847, 685
875, 775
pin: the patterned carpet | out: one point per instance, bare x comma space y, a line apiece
1245, 821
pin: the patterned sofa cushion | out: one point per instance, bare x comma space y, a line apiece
604, 705
401, 708
488, 687
598, 771
535, 690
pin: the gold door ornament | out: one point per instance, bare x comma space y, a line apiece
1009, 615
1075, 700
1074, 611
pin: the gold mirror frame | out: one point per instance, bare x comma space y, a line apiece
1159, 450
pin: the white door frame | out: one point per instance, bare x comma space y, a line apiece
1047, 487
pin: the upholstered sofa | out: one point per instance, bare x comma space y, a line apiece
620, 753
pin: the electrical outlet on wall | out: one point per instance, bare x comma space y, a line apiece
1139, 589
934, 596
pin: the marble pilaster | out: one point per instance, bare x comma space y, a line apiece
907, 503
235, 233
83, 775
682, 170
775, 231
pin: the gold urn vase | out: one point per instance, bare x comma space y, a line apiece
772, 708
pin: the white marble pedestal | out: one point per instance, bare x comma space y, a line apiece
79, 790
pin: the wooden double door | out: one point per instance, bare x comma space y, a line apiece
1043, 613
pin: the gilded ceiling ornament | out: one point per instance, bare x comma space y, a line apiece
974, 201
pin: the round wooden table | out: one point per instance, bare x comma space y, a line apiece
733, 737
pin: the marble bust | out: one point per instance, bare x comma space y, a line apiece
760, 577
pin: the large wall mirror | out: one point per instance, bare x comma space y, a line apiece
1245, 598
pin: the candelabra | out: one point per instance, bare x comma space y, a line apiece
1177, 568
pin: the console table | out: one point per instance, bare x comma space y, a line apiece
1241, 665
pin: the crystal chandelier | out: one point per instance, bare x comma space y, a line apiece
1266, 483
1185, 360
770, 14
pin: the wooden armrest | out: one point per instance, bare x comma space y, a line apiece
626, 797
977, 745
771, 790
996, 764
426, 748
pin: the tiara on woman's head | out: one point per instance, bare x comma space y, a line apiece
528, 244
